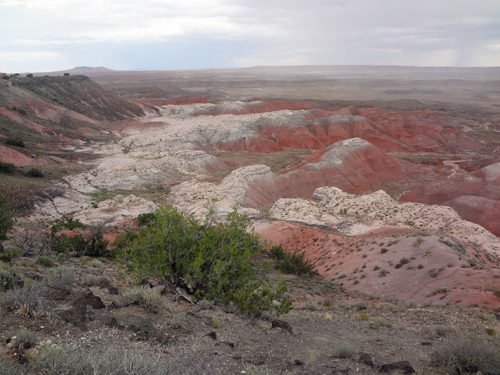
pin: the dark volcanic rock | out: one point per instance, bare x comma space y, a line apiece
76, 315
401, 365
94, 301
366, 359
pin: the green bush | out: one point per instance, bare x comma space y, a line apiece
5, 77
146, 219
67, 222
45, 261
93, 244
34, 172
6, 221
292, 263
7, 167
29, 75
211, 261
14, 142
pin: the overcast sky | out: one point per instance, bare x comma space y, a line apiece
50, 35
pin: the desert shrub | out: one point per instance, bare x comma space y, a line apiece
5, 77
489, 331
26, 301
62, 257
345, 305
56, 360
441, 330
66, 74
6, 167
89, 280
363, 317
462, 354
439, 291
361, 306
11, 368
34, 240
146, 219
25, 339
7, 257
144, 296
343, 351
383, 273
45, 261
257, 370
418, 241
96, 263
212, 261
29, 75
6, 278
60, 277
34, 172
215, 323
103, 282
292, 263
14, 142
377, 323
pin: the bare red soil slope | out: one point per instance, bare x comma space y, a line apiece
314, 128
475, 196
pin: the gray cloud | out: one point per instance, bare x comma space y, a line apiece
260, 32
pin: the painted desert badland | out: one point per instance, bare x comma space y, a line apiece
387, 178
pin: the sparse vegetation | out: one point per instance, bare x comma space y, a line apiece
418, 241
463, 354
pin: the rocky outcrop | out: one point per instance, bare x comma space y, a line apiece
113, 211
357, 214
